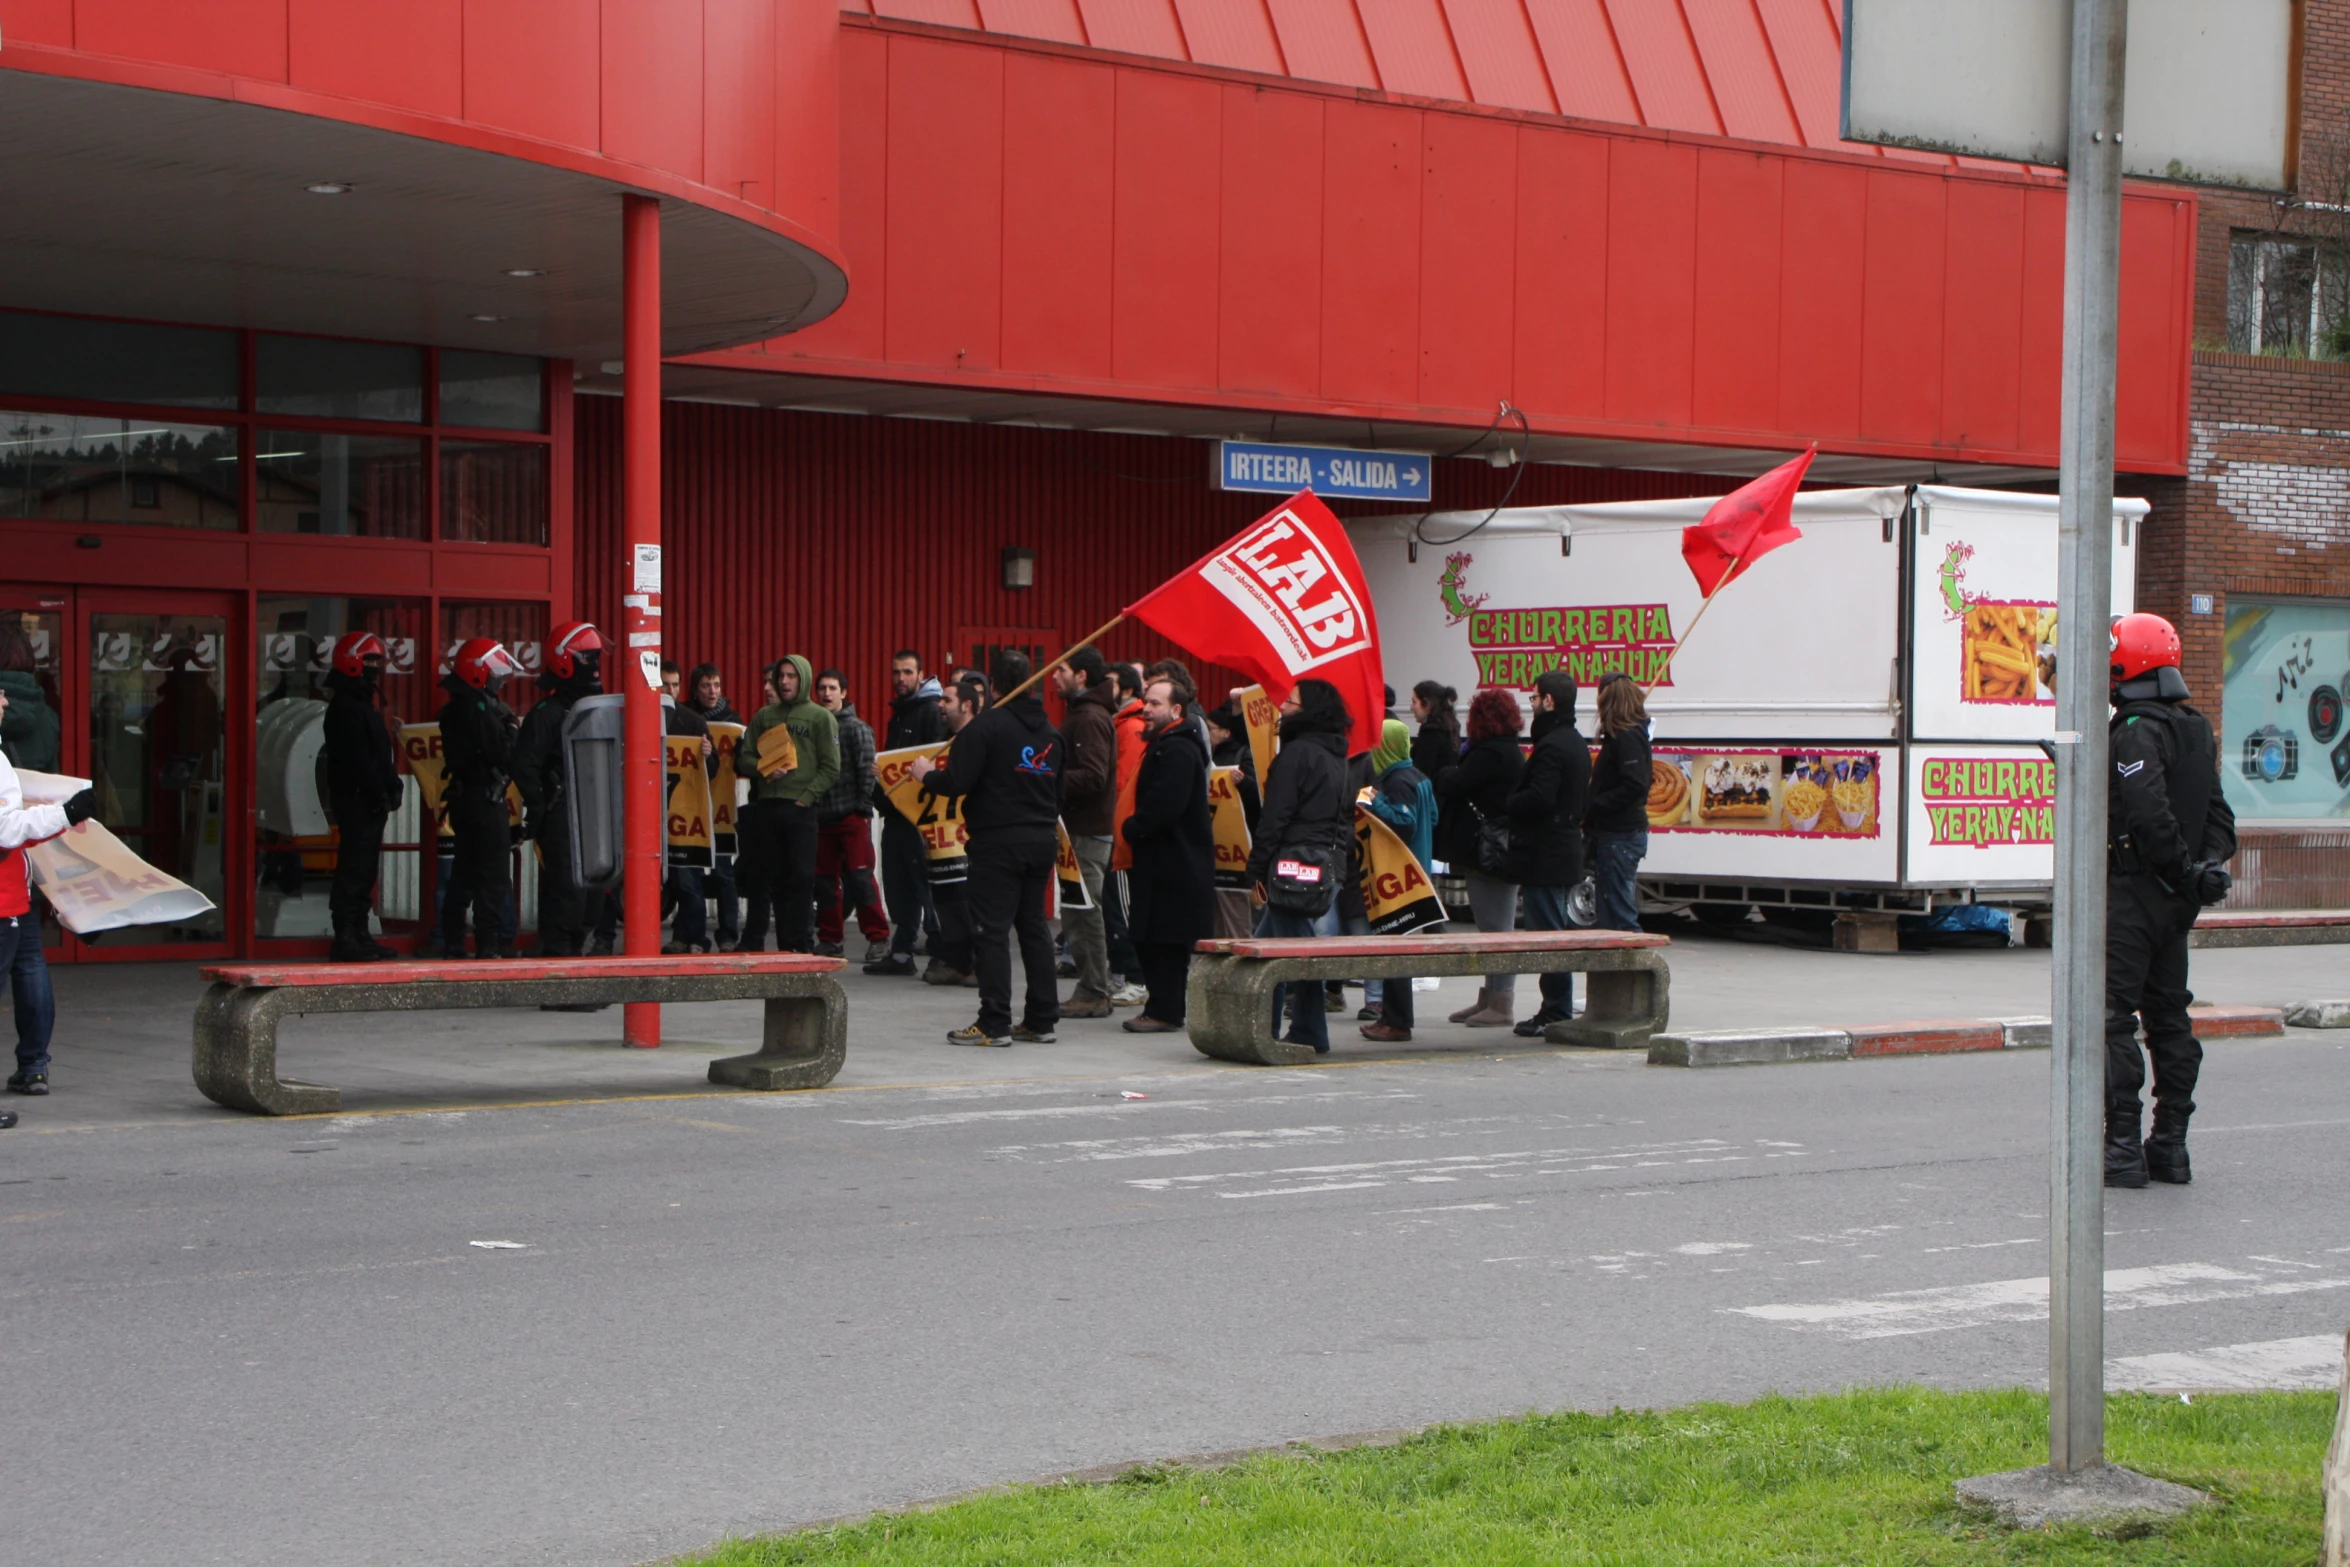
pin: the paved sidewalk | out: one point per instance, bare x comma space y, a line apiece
123, 1031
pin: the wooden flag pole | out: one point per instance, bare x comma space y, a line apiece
1682, 640
1039, 672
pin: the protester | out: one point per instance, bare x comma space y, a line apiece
951, 961
1403, 798
1228, 741
1125, 965
478, 733
706, 689
21, 959
573, 669
844, 833
1472, 836
905, 879
758, 894
362, 787
1089, 798
1436, 749
1618, 818
1173, 880
784, 844
1546, 831
1006, 768
683, 888
2169, 830
1308, 820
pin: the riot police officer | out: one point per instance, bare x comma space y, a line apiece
477, 747
2169, 833
572, 670
362, 785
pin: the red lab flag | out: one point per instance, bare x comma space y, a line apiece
1281, 601
1743, 526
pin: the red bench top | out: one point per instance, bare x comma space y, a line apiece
1408, 946
399, 972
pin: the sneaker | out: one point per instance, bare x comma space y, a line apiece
1129, 995
1532, 1027
1334, 1000
1025, 1034
7, 1119
891, 966
674, 949
34, 1083
601, 947
876, 952
1065, 969
939, 974
1368, 1014
830, 949
975, 1035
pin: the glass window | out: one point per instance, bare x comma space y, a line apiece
321, 378
84, 468
493, 493
492, 391
2286, 296
354, 486
157, 752
117, 361
2284, 742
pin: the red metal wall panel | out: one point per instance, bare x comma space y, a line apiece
1661, 58
1059, 128
1738, 255
1170, 164
2157, 258
1054, 19
945, 203
1825, 222
1562, 253
1739, 68
1499, 55
37, 22
1901, 309
1269, 332
1370, 216
1982, 371
943, 13
855, 330
1810, 60
652, 84
241, 37
1651, 267
1236, 33
1414, 48
1468, 261
2042, 327
1586, 69
405, 52
738, 98
808, 71
1134, 27
556, 99
1323, 41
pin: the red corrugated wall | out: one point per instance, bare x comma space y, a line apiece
844, 537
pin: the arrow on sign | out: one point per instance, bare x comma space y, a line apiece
1411, 476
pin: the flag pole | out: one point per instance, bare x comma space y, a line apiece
1041, 670
1683, 640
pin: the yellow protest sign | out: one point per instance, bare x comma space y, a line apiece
1262, 715
722, 788
689, 802
1068, 875
420, 751
1396, 890
1228, 820
938, 818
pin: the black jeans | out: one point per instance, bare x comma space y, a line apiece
721, 882
563, 902
359, 842
905, 885
481, 875
781, 837
2146, 928
1166, 970
950, 944
1123, 958
1007, 894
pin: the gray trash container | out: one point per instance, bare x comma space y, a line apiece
591, 769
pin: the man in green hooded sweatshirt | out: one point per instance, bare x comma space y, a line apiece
780, 836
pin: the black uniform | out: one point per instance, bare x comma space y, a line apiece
2169, 830
538, 774
477, 747
363, 785
1006, 764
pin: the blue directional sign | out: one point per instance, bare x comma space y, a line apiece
1332, 472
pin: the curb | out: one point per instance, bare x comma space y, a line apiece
2319, 1014
2245, 928
1941, 1036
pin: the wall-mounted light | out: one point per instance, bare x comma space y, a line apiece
1019, 567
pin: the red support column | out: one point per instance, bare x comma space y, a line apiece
644, 802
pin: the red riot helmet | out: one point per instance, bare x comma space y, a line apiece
354, 648
566, 642
481, 661
2143, 643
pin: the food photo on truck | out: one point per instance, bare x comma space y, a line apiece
1856, 730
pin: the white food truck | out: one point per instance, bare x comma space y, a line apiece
1855, 724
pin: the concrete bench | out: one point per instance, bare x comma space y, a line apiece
805, 1042
1230, 1002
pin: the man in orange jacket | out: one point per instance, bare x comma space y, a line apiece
1125, 963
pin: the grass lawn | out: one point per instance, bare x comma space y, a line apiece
1859, 1478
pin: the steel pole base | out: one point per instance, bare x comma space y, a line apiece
2104, 1494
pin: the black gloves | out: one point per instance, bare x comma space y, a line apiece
2207, 883
81, 807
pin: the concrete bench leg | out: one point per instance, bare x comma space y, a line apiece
236, 1056
1624, 1006
806, 1041
1228, 1009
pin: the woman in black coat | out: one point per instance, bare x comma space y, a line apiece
1171, 887
1309, 814
1475, 792
1436, 749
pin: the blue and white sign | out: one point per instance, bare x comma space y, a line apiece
1332, 472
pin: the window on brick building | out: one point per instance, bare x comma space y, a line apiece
2285, 296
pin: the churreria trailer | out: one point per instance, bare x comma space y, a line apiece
1857, 722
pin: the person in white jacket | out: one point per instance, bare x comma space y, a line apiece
21, 960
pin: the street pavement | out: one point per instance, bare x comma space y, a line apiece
237, 1340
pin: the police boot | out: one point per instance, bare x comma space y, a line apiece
2166, 1150
351, 946
2125, 1159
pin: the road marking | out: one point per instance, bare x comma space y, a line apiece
2313, 1363
1712, 1248
2024, 1300
1297, 1179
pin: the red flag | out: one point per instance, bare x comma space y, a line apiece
1282, 601
1744, 525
